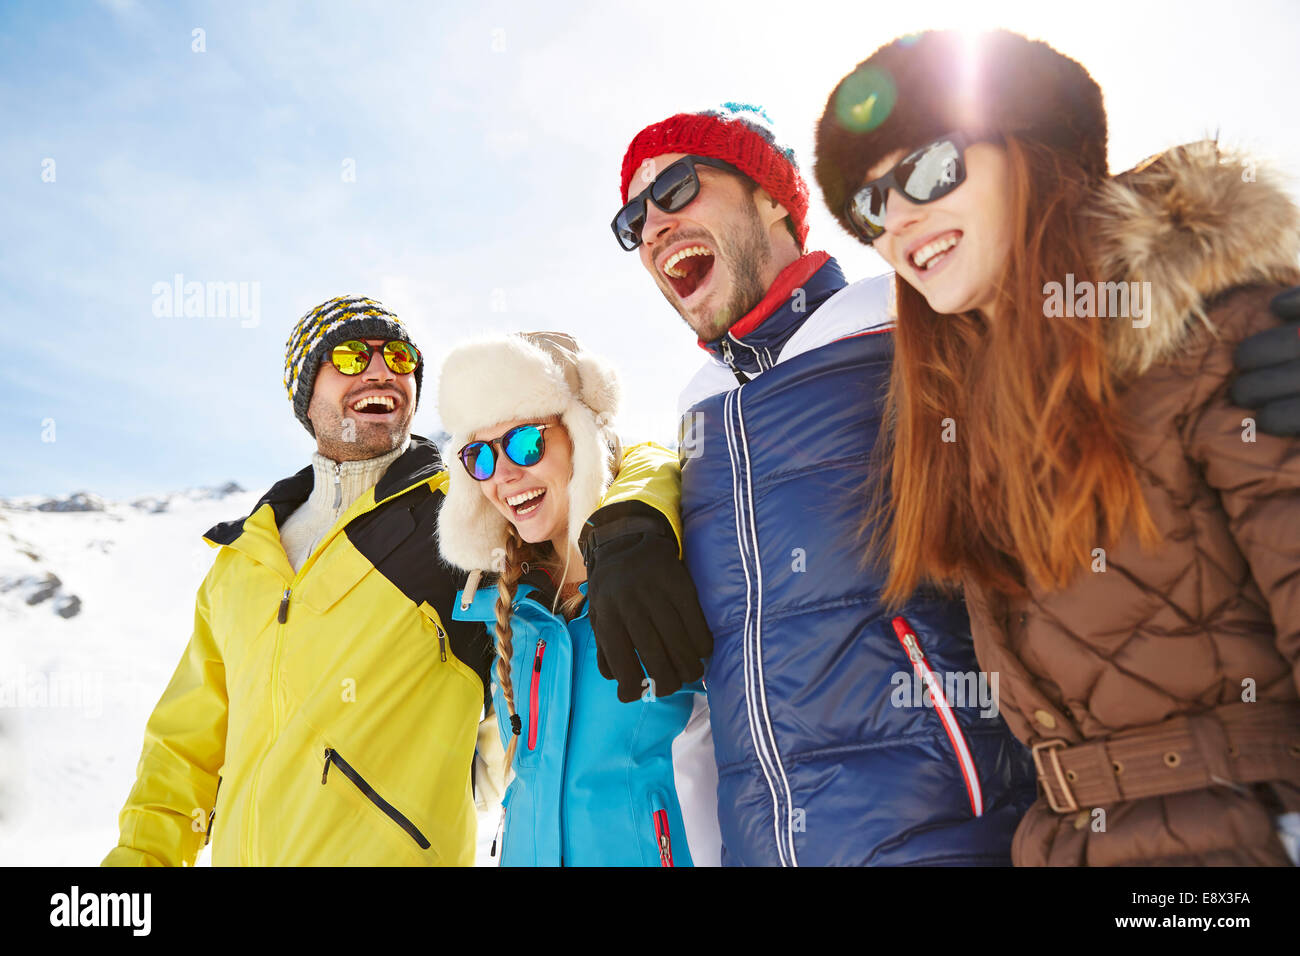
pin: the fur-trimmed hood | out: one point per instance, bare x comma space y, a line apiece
1194, 221
507, 377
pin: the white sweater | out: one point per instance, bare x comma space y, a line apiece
338, 484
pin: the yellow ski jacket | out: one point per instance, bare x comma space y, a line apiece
337, 709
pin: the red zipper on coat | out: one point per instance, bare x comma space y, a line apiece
907, 637
663, 839
533, 703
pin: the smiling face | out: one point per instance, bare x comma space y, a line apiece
535, 498
953, 250
714, 259
361, 416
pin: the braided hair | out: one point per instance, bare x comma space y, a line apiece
519, 556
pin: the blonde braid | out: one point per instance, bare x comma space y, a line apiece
507, 582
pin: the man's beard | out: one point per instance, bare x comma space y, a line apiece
744, 265
346, 439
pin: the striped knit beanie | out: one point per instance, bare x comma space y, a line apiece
735, 133
329, 324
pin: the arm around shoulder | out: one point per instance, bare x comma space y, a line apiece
1257, 476
650, 474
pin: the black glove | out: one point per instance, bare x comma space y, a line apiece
642, 602
1269, 363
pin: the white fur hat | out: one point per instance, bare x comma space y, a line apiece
530, 374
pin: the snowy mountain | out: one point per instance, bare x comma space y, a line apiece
96, 607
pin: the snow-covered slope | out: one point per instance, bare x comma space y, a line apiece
96, 607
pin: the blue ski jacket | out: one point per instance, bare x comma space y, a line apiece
598, 782
844, 733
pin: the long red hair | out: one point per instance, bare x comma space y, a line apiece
1035, 474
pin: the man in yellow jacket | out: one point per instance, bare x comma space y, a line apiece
327, 708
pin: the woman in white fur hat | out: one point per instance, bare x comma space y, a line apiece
597, 782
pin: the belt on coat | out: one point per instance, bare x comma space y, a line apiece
1230, 745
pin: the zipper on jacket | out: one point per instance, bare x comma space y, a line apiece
756, 352
442, 641
533, 703
332, 757
499, 839
250, 858
212, 814
731, 360
907, 637
338, 487
662, 838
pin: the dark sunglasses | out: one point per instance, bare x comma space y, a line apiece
353, 357
672, 191
927, 174
523, 444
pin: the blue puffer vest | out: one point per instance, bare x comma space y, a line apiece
845, 734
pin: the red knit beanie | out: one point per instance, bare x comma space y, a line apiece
735, 133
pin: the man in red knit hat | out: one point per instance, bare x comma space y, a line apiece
755, 207
815, 764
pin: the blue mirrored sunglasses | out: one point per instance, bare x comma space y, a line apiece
523, 444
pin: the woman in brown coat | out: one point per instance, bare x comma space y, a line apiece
1063, 444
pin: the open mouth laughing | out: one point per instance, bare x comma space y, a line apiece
687, 268
376, 404
526, 502
928, 254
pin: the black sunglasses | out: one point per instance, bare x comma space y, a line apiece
672, 191
924, 175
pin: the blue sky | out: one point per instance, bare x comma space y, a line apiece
486, 141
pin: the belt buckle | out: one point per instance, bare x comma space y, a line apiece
1051, 746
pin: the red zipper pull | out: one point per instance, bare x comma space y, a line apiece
534, 705
908, 637
661, 836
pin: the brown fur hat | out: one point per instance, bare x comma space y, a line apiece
923, 85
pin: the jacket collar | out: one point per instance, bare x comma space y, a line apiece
543, 587
754, 343
538, 585
415, 466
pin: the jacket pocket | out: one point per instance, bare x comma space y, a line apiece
663, 837
535, 694
212, 814
658, 825
947, 716
332, 757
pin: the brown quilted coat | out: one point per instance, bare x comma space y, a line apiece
1214, 610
